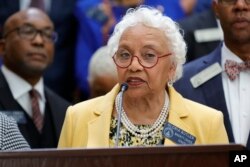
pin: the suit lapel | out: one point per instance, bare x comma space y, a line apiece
7, 101
248, 142
213, 89
53, 110
56, 111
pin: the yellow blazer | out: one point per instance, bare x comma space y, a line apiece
87, 124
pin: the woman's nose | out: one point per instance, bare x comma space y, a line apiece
135, 64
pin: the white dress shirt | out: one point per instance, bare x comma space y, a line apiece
20, 90
237, 94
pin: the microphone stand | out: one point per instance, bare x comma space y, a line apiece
124, 87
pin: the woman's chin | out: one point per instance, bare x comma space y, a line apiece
136, 93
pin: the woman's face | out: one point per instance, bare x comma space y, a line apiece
141, 40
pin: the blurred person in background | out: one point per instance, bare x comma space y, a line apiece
175, 9
202, 33
102, 75
96, 20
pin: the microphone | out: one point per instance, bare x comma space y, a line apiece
124, 87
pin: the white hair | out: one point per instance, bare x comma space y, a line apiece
101, 64
152, 17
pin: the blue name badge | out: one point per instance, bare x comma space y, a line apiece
177, 135
18, 116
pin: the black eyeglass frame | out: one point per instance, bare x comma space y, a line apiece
158, 57
54, 34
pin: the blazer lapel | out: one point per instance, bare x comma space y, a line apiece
99, 128
176, 113
99, 137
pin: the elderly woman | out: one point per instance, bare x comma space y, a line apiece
149, 52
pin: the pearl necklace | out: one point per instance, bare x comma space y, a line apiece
142, 133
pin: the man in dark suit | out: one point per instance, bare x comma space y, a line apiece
201, 33
210, 80
61, 12
27, 48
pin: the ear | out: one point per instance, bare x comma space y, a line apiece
215, 8
172, 71
2, 48
173, 67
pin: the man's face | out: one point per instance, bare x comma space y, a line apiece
235, 20
26, 54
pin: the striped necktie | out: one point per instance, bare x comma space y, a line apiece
36, 113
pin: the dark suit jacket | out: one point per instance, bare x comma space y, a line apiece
199, 21
60, 75
209, 93
56, 109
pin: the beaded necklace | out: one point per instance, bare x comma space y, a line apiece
143, 133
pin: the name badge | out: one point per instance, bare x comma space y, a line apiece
208, 35
177, 135
206, 74
18, 116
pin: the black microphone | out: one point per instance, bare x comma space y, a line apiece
124, 87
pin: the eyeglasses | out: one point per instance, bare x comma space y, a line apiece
123, 59
231, 2
29, 32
